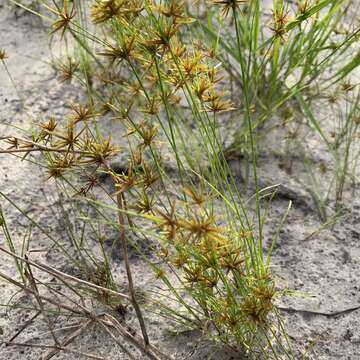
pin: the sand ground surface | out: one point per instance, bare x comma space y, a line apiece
322, 269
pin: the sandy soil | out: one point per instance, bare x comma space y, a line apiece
323, 270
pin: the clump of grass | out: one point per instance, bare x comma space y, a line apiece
160, 71
340, 142
233, 289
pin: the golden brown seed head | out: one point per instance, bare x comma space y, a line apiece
65, 17
3, 54
228, 5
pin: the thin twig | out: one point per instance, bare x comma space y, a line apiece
38, 147
58, 274
149, 350
27, 323
45, 298
13, 151
69, 339
327, 314
116, 340
36, 293
110, 321
120, 205
61, 329
60, 348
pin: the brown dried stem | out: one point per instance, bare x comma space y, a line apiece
60, 348
59, 274
69, 339
123, 241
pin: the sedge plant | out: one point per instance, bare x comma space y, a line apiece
160, 71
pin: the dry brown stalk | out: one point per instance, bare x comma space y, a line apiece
122, 347
104, 319
123, 241
149, 350
60, 348
59, 274
69, 339
38, 147
42, 297
27, 323
32, 283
